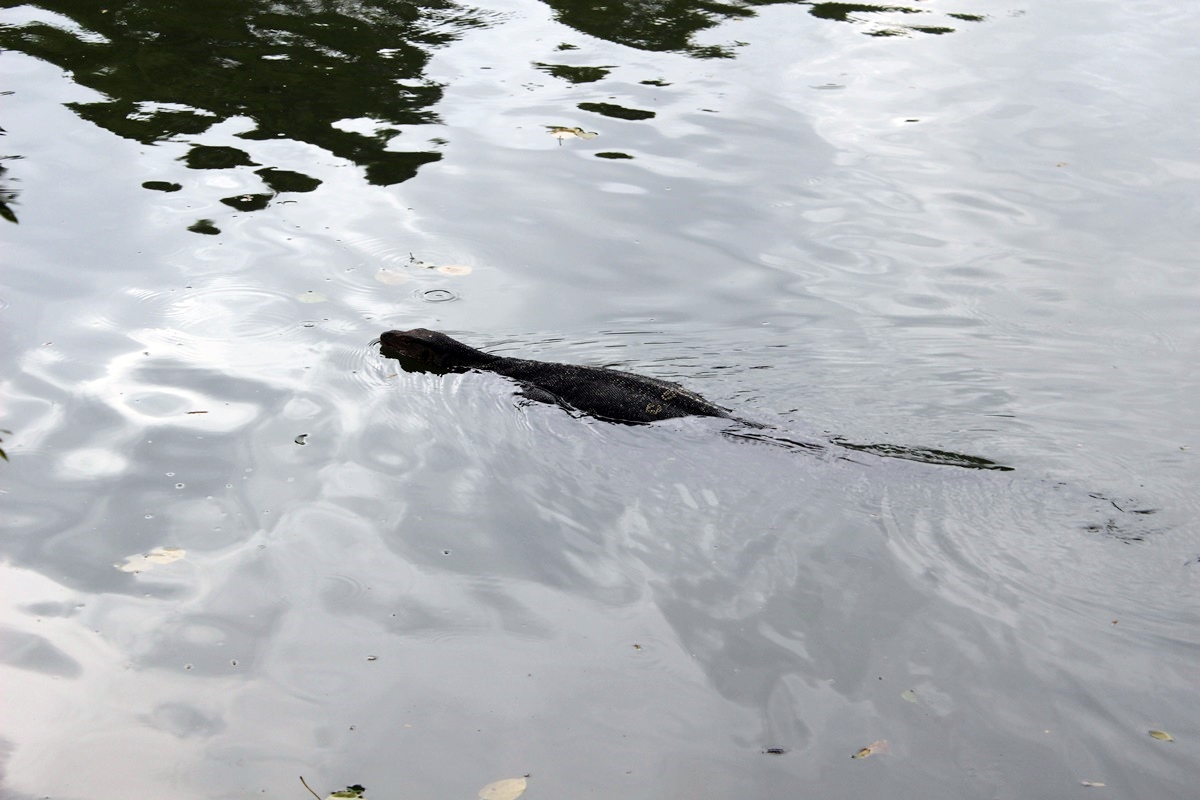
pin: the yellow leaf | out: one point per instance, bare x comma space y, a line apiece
159, 555
1162, 736
507, 789
880, 746
391, 278
165, 555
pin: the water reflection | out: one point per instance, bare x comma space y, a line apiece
339, 75
673, 26
8, 195
296, 70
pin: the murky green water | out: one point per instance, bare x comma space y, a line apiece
957, 225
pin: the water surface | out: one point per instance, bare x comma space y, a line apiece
956, 225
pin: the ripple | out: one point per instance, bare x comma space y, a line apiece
1044, 554
436, 295
170, 405
128, 387
402, 256
363, 366
244, 312
341, 593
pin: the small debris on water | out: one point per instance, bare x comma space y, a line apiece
301, 438
559, 132
880, 746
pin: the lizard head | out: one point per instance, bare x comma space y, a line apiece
433, 350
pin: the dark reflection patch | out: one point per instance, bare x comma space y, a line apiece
206, 157
391, 168
133, 121
613, 154
8, 196
162, 186
290, 69
248, 202
618, 112
284, 180
842, 11
575, 74
204, 226
672, 25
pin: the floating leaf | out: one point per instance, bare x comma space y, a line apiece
349, 793
910, 695
145, 561
391, 277
560, 133
775, 751
880, 746
301, 438
507, 789
1092, 784
454, 269
1162, 736
311, 297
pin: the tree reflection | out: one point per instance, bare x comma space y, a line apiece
343, 75
8, 197
671, 25
291, 67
